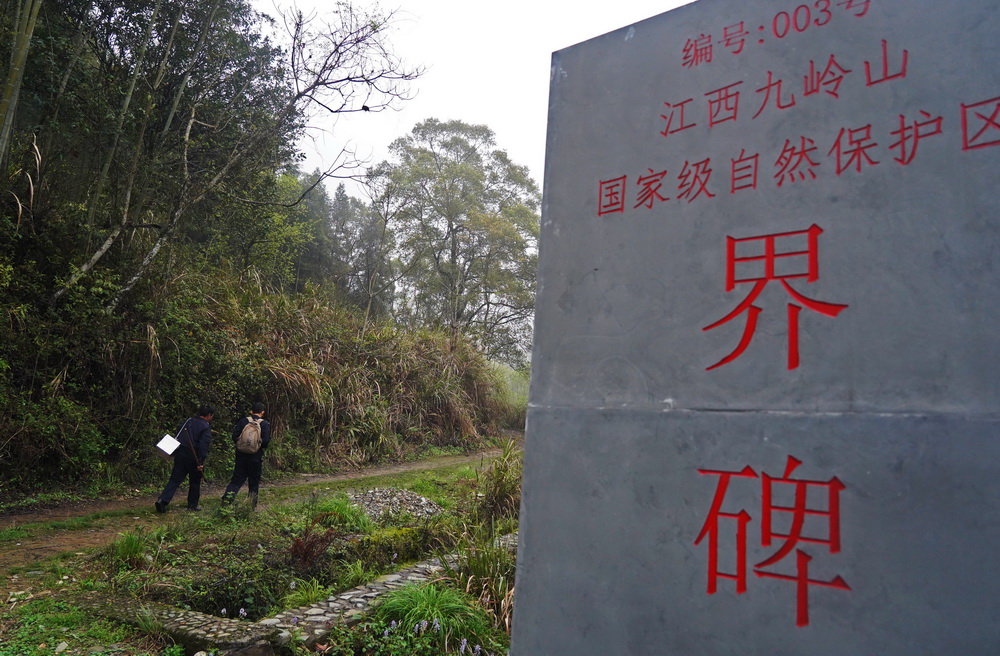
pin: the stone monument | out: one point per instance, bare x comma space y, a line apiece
765, 400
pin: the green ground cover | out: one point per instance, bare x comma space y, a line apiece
305, 543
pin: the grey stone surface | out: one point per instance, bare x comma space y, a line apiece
609, 564
894, 399
623, 297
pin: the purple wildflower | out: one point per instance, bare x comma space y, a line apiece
222, 612
243, 612
461, 647
295, 620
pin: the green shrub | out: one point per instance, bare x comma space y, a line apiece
248, 586
138, 549
387, 546
445, 613
351, 574
378, 638
305, 592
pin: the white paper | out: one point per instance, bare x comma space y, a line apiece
168, 444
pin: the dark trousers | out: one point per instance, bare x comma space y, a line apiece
246, 470
185, 466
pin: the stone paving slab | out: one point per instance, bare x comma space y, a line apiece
346, 608
192, 629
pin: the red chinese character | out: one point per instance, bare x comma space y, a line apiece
981, 124
611, 198
734, 36
795, 161
698, 51
766, 89
800, 511
910, 135
885, 67
649, 189
830, 78
724, 105
855, 4
676, 111
768, 260
744, 172
855, 151
711, 529
694, 180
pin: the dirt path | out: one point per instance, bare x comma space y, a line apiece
35, 549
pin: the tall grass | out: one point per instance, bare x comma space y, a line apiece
305, 592
499, 486
138, 549
356, 395
434, 607
484, 570
338, 512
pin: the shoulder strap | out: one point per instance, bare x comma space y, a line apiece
191, 442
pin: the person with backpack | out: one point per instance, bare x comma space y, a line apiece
195, 436
251, 435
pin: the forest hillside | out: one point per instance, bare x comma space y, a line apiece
160, 249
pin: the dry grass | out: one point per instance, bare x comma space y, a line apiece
359, 393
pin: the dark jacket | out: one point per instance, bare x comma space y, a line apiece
265, 437
198, 432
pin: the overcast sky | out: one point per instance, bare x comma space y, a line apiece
486, 63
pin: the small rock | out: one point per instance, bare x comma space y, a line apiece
61, 647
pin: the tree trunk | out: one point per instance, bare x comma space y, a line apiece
27, 15
122, 113
79, 43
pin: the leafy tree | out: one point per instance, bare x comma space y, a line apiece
365, 249
267, 239
180, 108
466, 224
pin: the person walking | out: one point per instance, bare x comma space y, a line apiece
195, 436
251, 436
